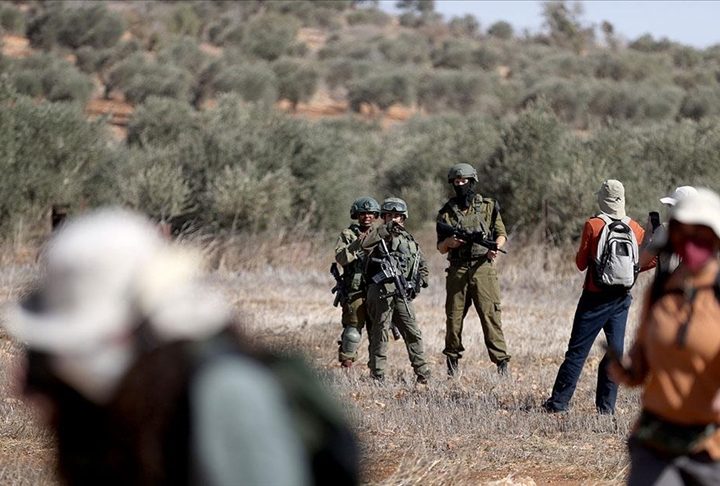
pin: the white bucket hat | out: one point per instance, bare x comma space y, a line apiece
702, 208
611, 198
680, 193
104, 274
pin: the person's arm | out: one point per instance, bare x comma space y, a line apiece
634, 369
423, 269
500, 235
444, 245
583, 256
347, 248
242, 429
647, 260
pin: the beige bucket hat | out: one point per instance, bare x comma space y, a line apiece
611, 198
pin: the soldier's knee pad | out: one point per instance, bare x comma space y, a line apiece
350, 340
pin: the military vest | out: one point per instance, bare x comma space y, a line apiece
353, 272
403, 249
480, 216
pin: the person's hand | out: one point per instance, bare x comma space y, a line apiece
453, 242
716, 403
491, 254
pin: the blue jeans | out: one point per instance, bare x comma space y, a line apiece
595, 311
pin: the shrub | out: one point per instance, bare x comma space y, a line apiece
501, 30
253, 82
92, 26
49, 153
139, 78
631, 66
184, 21
646, 43
460, 91
151, 181
406, 48
701, 102
184, 53
12, 20
297, 80
162, 122
371, 16
226, 31
50, 77
382, 90
341, 71
636, 101
467, 25
268, 36
453, 54
568, 98
487, 57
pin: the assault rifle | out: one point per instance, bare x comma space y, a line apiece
445, 230
341, 295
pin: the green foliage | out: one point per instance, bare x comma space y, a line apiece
646, 43
382, 89
50, 77
453, 54
12, 20
163, 122
297, 80
49, 153
701, 102
255, 82
268, 36
93, 26
406, 48
501, 30
372, 16
184, 53
341, 71
463, 92
184, 21
140, 78
467, 25
565, 29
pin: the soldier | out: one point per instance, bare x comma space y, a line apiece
395, 271
350, 255
471, 276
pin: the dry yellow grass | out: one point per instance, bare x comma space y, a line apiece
477, 429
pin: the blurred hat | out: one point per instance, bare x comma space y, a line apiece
104, 274
611, 198
680, 193
701, 208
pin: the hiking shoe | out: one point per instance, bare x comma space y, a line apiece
379, 379
548, 407
421, 380
452, 366
502, 368
346, 363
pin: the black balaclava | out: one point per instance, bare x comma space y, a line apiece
465, 193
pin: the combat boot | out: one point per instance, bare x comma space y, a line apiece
453, 366
502, 368
346, 363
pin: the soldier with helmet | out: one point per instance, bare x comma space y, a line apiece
395, 271
350, 255
471, 276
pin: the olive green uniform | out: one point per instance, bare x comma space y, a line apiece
384, 304
350, 255
472, 279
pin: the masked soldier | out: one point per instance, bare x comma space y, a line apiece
395, 272
350, 255
471, 276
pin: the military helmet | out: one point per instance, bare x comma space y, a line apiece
365, 204
465, 171
394, 205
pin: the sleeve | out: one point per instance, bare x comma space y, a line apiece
442, 217
423, 269
377, 232
498, 228
242, 429
347, 248
583, 256
640, 234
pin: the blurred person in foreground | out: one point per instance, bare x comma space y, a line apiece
350, 255
676, 357
609, 255
395, 271
656, 234
144, 378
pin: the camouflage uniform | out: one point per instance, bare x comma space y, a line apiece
471, 278
385, 306
349, 254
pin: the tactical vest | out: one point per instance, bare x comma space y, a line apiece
352, 273
403, 249
480, 216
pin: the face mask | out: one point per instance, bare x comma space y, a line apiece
465, 192
695, 254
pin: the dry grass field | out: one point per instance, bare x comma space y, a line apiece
477, 429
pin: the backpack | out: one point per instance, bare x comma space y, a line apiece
617, 258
